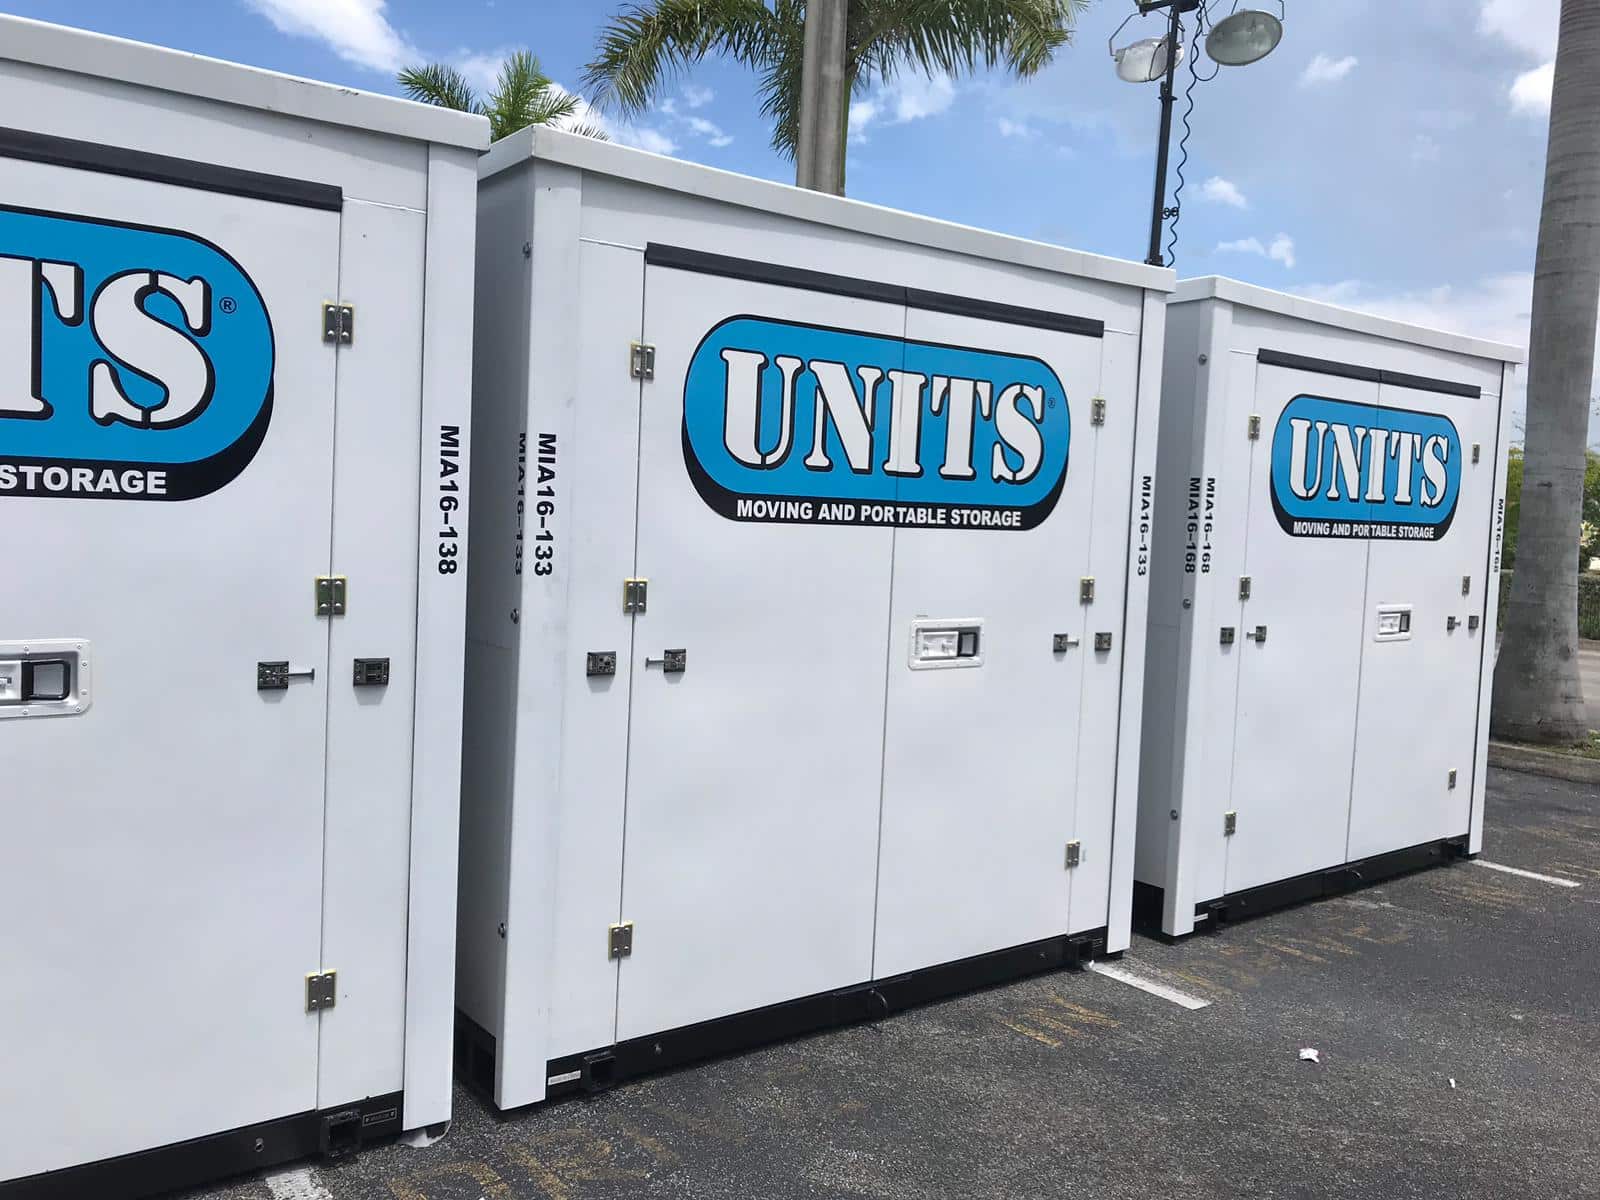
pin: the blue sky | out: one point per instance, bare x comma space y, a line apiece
1387, 156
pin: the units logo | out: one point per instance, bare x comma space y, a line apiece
1354, 470
135, 363
799, 423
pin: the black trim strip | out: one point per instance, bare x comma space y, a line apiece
1424, 383
160, 168
1323, 366
599, 1069
1284, 893
333, 1132
681, 259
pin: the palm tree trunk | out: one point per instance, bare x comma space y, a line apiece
1537, 692
819, 156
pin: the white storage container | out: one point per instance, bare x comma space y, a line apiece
234, 338
1321, 630
783, 713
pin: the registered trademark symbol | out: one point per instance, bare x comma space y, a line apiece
1050, 403
228, 305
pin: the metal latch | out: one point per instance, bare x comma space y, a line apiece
321, 990
275, 676
671, 662
1452, 777
1255, 426
620, 939
1472, 622
1074, 853
1450, 624
641, 360
1244, 587
635, 595
1230, 823
1086, 590
370, 672
1466, 585
1227, 635
331, 591
1477, 451
1060, 643
601, 662
1102, 641
338, 322
1260, 635
1097, 411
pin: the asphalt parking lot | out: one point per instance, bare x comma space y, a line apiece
1454, 1011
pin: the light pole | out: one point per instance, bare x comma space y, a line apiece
1244, 36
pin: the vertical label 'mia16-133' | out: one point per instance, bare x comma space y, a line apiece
135, 363
803, 424
1341, 469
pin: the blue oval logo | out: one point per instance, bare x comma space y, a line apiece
135, 363
800, 423
1341, 469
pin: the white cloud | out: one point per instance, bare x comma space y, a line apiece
1424, 149
1223, 191
482, 69
1528, 25
356, 30
709, 130
915, 95
668, 106
1496, 307
1530, 94
1280, 249
908, 97
862, 114
1323, 69
697, 97
1013, 129
644, 138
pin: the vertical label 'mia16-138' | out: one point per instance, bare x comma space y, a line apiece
1341, 469
798, 423
135, 363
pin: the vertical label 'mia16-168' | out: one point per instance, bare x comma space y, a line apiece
1341, 469
797, 423
135, 363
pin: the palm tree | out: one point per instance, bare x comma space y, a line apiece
523, 95
645, 45
1538, 695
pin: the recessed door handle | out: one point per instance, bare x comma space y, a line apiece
671, 661
275, 676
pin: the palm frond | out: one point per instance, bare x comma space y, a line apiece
439, 85
644, 47
780, 80
957, 37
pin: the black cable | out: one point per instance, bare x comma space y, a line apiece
1188, 130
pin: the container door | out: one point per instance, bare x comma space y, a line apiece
1298, 644
1423, 636
166, 404
982, 744
756, 733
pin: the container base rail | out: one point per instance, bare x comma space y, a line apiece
603, 1067
333, 1133
1286, 893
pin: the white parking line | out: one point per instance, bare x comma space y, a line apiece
1122, 975
1494, 866
298, 1184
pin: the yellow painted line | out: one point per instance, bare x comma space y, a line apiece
1036, 1035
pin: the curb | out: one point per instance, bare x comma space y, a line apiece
1531, 761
